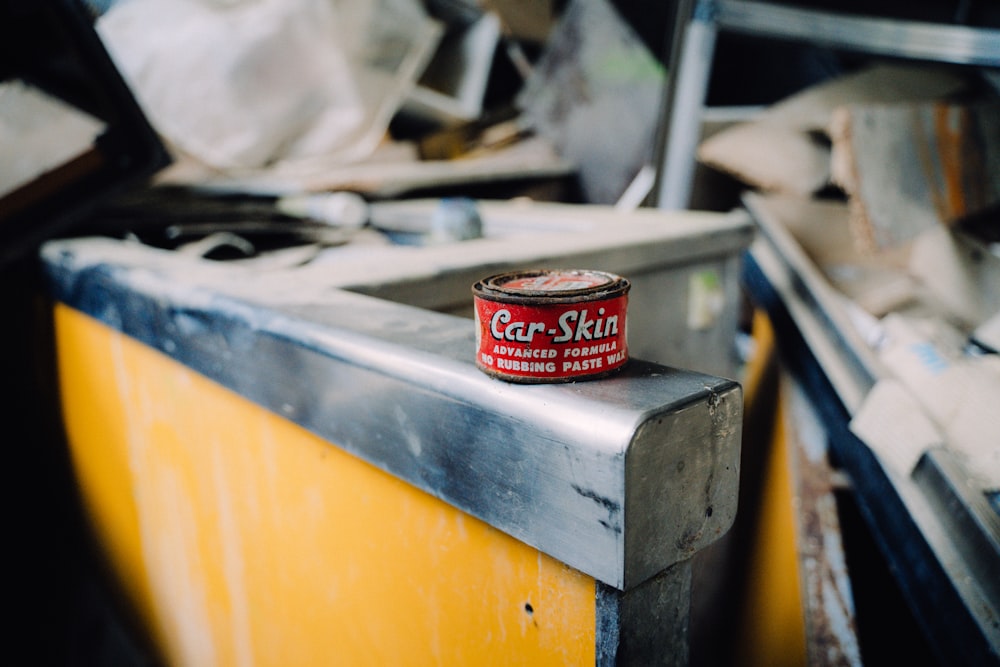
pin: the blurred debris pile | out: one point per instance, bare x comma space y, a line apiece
881, 188
596, 94
244, 85
879, 174
392, 97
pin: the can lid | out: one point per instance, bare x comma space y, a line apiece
553, 283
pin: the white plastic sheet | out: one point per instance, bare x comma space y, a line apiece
252, 83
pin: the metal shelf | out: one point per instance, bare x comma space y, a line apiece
934, 526
945, 591
917, 40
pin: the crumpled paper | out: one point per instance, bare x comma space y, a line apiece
250, 83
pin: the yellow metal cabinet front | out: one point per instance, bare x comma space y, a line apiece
246, 540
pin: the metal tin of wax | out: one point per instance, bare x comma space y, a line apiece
551, 325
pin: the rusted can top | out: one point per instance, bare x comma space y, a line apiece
551, 325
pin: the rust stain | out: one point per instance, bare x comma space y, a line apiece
950, 123
829, 604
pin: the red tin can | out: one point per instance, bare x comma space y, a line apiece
551, 325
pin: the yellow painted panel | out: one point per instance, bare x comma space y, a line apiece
247, 540
772, 630
761, 360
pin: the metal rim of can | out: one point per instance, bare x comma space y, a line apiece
511, 287
548, 293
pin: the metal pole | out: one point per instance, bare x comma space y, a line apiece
690, 68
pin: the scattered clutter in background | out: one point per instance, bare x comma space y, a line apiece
596, 93
323, 150
877, 197
390, 96
243, 85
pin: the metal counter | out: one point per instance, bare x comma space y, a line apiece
622, 479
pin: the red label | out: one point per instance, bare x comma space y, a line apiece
551, 342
